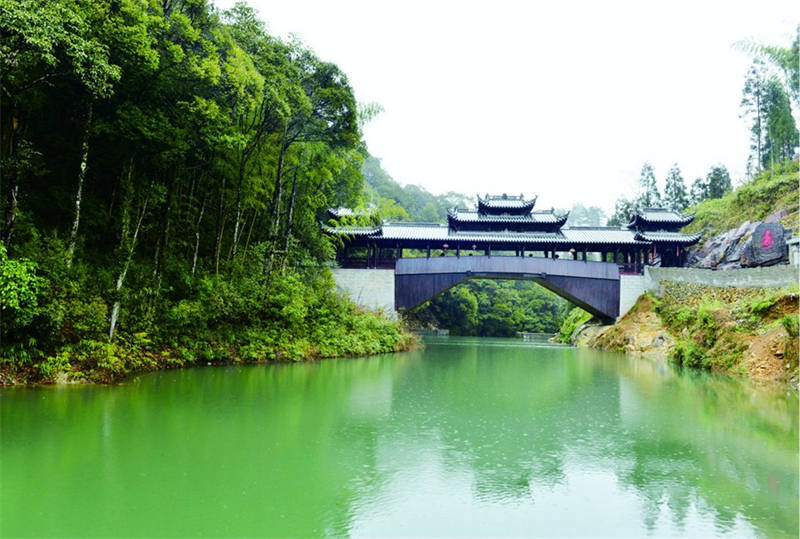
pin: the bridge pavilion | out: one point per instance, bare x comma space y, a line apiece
509, 225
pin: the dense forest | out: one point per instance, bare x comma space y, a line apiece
165, 167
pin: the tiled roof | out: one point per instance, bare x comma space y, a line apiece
473, 216
438, 232
414, 231
352, 230
348, 212
661, 215
570, 236
505, 201
608, 235
671, 237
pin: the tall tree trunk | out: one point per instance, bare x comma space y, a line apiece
758, 124
220, 226
289, 221
249, 233
197, 236
164, 236
277, 193
238, 210
73, 236
124, 271
275, 209
13, 185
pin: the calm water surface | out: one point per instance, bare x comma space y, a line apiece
468, 437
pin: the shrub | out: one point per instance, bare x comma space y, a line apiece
19, 288
575, 319
689, 354
791, 325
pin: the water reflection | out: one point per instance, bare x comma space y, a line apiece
469, 437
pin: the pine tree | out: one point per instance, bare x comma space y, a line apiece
675, 196
649, 196
781, 135
623, 211
718, 182
753, 105
699, 191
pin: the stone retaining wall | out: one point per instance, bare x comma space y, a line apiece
633, 286
768, 277
369, 288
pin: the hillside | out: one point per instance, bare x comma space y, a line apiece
753, 201
751, 332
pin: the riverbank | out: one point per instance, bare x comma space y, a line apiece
743, 332
96, 362
247, 322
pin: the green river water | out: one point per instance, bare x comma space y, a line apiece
469, 437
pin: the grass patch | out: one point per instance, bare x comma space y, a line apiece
752, 201
576, 318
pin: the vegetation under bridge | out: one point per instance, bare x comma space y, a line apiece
592, 286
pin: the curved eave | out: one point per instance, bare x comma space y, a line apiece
351, 230
685, 240
497, 204
641, 220
560, 220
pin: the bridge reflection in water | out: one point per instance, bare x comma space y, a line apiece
592, 286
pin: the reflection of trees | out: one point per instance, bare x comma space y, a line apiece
304, 447
509, 423
720, 441
224, 451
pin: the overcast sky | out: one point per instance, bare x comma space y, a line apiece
564, 99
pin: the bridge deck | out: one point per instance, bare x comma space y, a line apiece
593, 286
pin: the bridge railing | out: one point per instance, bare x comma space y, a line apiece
631, 269
361, 263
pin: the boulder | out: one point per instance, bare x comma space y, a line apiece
776, 216
757, 243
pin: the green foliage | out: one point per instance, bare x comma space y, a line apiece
214, 150
791, 325
675, 195
761, 305
752, 201
417, 203
689, 354
715, 326
649, 196
576, 318
19, 287
490, 308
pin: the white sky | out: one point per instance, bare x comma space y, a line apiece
563, 99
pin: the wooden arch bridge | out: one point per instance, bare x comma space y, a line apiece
593, 286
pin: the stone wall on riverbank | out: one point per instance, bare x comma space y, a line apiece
633, 286
368, 288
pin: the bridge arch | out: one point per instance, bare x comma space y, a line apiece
592, 286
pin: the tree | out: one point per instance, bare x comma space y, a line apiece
648, 189
675, 196
785, 60
699, 191
43, 42
753, 105
781, 136
718, 182
581, 215
623, 211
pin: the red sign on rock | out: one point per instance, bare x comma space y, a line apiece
766, 240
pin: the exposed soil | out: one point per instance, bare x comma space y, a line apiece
763, 352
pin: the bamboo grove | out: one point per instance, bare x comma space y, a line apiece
157, 153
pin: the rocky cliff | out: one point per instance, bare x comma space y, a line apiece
754, 243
